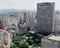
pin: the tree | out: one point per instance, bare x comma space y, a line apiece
17, 43
36, 39
17, 38
28, 29
14, 46
29, 34
30, 41
24, 45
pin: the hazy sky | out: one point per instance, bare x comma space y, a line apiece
25, 4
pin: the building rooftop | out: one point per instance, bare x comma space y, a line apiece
46, 3
53, 37
1, 30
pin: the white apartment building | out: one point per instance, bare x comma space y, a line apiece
5, 39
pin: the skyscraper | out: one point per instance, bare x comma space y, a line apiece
45, 17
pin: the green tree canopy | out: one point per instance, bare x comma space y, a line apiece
24, 45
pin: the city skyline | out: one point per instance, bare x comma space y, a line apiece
25, 4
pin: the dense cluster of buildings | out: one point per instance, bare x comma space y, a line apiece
45, 21
15, 24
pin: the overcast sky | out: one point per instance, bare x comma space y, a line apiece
25, 4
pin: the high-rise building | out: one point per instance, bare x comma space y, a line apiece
32, 21
45, 17
26, 18
22, 24
57, 22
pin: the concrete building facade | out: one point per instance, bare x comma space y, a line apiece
45, 17
51, 41
57, 22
